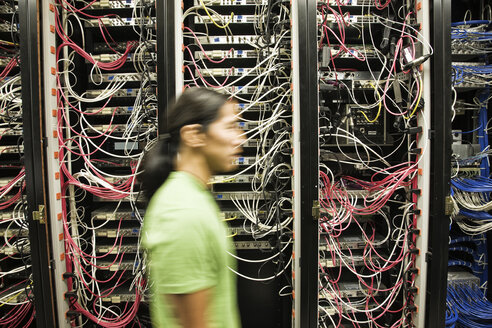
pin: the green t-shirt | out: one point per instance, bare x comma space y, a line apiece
187, 243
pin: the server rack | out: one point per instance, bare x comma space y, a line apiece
467, 259
304, 160
243, 49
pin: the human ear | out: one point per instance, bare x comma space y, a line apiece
192, 135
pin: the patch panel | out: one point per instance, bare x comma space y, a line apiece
365, 3
7, 233
241, 89
258, 142
7, 215
8, 27
238, 215
352, 289
232, 19
116, 249
360, 79
456, 278
332, 310
223, 72
352, 19
120, 110
124, 199
119, 128
18, 296
4, 9
232, 2
348, 241
17, 131
111, 215
254, 108
116, 266
228, 40
114, 162
350, 51
243, 178
7, 180
122, 93
123, 77
120, 296
11, 149
13, 250
120, 21
240, 195
113, 233
5, 61
118, 4
117, 46
219, 54
245, 161
132, 57
252, 245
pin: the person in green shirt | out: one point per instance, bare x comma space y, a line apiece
186, 241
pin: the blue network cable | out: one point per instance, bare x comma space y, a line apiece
469, 305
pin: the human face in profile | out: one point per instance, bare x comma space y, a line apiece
223, 140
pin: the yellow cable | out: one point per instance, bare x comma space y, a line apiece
213, 21
379, 109
233, 235
230, 219
418, 99
22, 291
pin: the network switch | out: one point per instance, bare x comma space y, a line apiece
113, 233
111, 215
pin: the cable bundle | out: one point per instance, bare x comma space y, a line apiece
468, 307
16, 295
371, 101
107, 118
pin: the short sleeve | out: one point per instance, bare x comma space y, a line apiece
184, 262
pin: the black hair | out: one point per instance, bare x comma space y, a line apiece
194, 106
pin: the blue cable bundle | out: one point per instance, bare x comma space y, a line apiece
470, 306
481, 72
451, 317
476, 184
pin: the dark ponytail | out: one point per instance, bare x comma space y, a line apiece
194, 106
